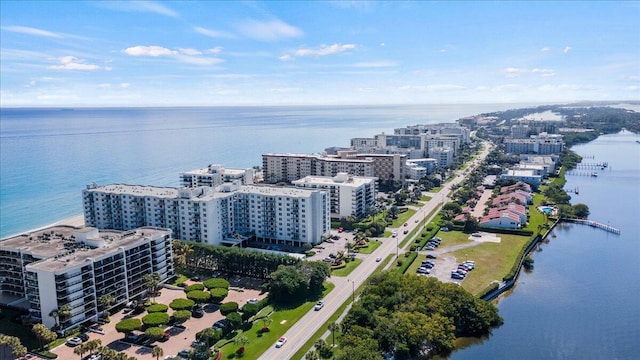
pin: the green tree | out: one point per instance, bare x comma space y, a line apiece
235, 320
80, 350
287, 286
43, 334
105, 302
581, 210
182, 315
199, 296
182, 304
128, 325
155, 319
55, 315
152, 282
157, 352
154, 333
333, 327
11, 344
93, 345
241, 341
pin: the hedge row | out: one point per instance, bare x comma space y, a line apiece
407, 261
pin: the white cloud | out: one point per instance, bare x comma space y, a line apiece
433, 87
633, 88
191, 52
286, 57
514, 72
185, 55
215, 50
566, 49
125, 85
104, 86
545, 49
271, 30
213, 33
375, 64
544, 72
32, 31
153, 50
73, 63
324, 50
138, 6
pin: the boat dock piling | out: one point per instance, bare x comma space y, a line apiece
592, 166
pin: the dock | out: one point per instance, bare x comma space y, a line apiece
592, 166
594, 224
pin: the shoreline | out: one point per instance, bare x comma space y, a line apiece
75, 221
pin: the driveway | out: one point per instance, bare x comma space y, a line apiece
180, 339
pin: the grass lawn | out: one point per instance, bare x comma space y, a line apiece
402, 218
259, 342
425, 198
179, 280
493, 260
371, 247
345, 271
435, 189
451, 238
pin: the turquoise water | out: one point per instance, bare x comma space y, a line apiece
47, 156
581, 301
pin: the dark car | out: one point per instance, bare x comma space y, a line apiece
84, 337
221, 324
197, 312
430, 256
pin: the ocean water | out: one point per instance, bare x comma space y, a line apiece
47, 156
581, 300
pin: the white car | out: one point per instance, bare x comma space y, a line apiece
318, 306
378, 259
252, 301
281, 342
74, 341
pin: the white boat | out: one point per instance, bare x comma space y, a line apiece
594, 174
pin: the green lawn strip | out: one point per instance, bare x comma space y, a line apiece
493, 260
371, 247
259, 342
451, 238
179, 280
334, 317
402, 218
425, 198
435, 189
345, 271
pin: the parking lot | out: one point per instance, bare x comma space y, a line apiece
180, 338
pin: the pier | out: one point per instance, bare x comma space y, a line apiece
582, 173
594, 224
592, 166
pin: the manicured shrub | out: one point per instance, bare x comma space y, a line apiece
157, 308
228, 307
155, 319
128, 325
190, 288
218, 294
182, 315
235, 320
181, 304
216, 283
249, 310
155, 333
199, 296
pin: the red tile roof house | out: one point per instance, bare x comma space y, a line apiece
509, 198
517, 186
517, 209
503, 219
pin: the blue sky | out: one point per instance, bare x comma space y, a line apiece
144, 53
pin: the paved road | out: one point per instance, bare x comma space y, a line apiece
300, 332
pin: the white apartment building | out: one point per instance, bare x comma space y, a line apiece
290, 167
443, 155
519, 131
214, 175
419, 168
542, 144
349, 195
209, 215
461, 132
527, 176
63, 265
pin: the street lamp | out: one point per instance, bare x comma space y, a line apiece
353, 291
397, 247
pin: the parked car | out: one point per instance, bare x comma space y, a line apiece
253, 301
221, 324
476, 235
378, 259
74, 341
281, 342
327, 259
332, 255
457, 276
84, 337
406, 224
422, 270
197, 344
429, 247
183, 353
318, 306
131, 337
431, 256
405, 232
197, 312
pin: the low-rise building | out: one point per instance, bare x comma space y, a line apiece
214, 175
527, 176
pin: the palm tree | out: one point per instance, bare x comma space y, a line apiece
266, 321
152, 281
241, 340
333, 327
54, 314
64, 312
157, 352
80, 350
105, 302
312, 355
93, 345
181, 252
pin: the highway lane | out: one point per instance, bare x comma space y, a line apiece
301, 331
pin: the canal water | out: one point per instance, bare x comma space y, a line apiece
582, 299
